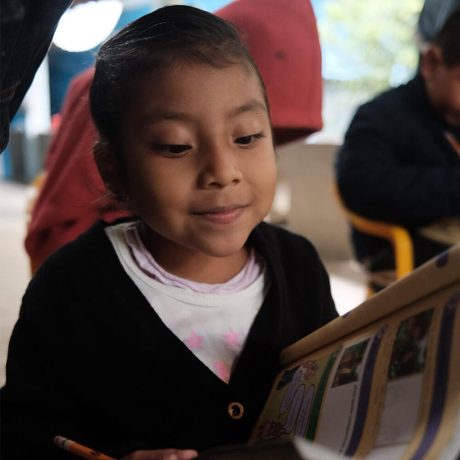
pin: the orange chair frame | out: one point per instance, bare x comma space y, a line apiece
398, 236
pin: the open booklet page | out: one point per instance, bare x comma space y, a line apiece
382, 382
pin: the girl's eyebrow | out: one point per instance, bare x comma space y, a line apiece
253, 105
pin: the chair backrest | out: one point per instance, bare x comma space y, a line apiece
398, 236
308, 170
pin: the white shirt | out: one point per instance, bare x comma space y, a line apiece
214, 326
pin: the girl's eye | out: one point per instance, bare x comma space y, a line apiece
171, 149
248, 141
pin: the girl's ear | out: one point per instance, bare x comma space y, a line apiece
430, 62
108, 165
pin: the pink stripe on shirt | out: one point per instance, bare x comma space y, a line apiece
150, 266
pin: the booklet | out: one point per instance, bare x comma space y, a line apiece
381, 382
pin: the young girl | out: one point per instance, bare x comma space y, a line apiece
164, 331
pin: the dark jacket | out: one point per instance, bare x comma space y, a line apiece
397, 165
26, 30
89, 358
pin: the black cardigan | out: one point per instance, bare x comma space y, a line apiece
89, 358
396, 165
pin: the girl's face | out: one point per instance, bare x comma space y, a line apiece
200, 163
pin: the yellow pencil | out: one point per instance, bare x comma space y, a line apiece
78, 449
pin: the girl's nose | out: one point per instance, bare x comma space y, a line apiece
220, 169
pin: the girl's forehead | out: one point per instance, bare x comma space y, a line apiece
196, 94
185, 76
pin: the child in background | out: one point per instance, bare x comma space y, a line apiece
400, 159
163, 331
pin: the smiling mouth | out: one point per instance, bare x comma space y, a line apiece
222, 215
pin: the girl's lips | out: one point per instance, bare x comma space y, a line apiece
222, 215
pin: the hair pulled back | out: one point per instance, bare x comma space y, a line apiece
163, 38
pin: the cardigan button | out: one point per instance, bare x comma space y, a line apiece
235, 410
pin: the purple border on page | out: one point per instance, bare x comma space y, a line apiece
364, 393
441, 376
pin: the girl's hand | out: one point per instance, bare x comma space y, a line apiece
163, 454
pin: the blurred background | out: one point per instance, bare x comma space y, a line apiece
367, 46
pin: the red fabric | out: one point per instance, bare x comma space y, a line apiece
72, 196
283, 38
